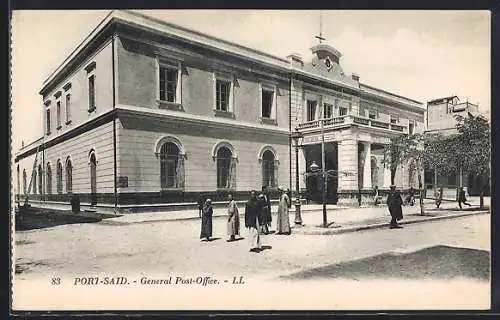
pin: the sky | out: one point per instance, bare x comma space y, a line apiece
422, 55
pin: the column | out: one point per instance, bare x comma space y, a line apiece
367, 172
348, 163
302, 168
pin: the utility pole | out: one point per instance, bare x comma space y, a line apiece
323, 170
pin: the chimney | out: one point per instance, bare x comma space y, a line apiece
296, 60
22, 143
355, 77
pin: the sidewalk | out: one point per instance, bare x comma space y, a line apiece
357, 219
312, 216
340, 226
339, 219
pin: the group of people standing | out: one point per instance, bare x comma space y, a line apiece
258, 217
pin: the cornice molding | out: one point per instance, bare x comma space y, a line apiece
407, 106
77, 130
211, 122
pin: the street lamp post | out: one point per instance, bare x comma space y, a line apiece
314, 169
296, 135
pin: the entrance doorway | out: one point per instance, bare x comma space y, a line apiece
93, 179
314, 182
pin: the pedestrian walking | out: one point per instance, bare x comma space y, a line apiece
252, 222
394, 203
206, 220
439, 197
461, 198
283, 219
233, 219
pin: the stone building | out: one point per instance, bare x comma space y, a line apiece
146, 113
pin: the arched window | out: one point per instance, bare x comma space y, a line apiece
25, 185
169, 159
59, 177
374, 171
268, 177
224, 166
49, 179
69, 176
40, 179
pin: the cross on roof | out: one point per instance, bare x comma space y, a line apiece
320, 37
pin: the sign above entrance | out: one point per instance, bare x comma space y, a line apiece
329, 137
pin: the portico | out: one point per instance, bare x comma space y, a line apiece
353, 154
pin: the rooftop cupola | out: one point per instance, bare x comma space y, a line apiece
324, 51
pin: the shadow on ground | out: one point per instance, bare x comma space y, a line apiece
438, 262
465, 208
34, 218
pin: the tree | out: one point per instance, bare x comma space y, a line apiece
475, 148
393, 155
467, 150
407, 150
442, 154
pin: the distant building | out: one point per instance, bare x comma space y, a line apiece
441, 118
145, 113
441, 113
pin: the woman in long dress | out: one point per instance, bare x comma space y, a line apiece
233, 220
206, 220
283, 220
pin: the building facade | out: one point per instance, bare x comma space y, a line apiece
145, 113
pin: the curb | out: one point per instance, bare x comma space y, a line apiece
341, 230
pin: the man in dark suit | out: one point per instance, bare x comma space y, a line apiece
253, 220
394, 203
461, 198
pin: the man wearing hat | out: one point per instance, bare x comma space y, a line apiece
394, 202
253, 221
206, 220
